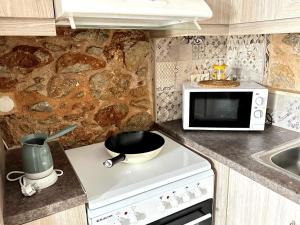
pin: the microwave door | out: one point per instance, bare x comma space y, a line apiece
220, 109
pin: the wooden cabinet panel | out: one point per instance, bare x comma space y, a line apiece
247, 11
27, 8
250, 203
27, 27
73, 216
221, 12
221, 190
288, 9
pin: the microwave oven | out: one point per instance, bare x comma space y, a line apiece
236, 108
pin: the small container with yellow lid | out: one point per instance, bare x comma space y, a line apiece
219, 72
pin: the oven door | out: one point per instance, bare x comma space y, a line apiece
220, 109
200, 214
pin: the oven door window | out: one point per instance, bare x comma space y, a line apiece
220, 109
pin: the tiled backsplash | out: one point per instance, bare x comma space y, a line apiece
285, 109
272, 60
181, 59
97, 79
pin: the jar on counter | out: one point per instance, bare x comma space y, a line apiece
219, 72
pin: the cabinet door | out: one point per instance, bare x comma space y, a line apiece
73, 216
250, 203
27, 8
288, 9
221, 190
247, 11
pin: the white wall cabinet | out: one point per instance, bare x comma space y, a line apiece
27, 18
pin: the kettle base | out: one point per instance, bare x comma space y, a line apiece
42, 182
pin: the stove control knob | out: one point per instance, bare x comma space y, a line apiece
135, 215
179, 199
117, 222
123, 221
185, 197
203, 191
132, 217
188, 195
197, 192
140, 216
163, 205
173, 201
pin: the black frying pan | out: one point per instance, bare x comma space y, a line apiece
133, 147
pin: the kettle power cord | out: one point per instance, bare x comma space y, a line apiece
28, 189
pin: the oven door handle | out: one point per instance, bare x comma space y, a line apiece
202, 218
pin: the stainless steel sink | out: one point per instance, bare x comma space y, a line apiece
288, 160
284, 158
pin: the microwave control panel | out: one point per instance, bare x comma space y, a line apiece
259, 107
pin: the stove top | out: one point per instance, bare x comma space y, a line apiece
108, 185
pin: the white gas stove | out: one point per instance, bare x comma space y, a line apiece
174, 188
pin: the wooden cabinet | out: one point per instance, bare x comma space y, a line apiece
240, 17
264, 16
247, 11
27, 18
221, 190
221, 12
250, 203
240, 200
288, 9
27, 8
73, 216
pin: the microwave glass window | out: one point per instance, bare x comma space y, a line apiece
220, 109
216, 109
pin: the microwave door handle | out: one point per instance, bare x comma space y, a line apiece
201, 219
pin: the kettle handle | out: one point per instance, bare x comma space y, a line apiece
61, 133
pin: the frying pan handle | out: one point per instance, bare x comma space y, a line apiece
110, 162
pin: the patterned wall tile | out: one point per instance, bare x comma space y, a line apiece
246, 57
173, 49
166, 73
215, 48
168, 104
285, 110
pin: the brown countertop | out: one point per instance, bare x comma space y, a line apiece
64, 194
235, 149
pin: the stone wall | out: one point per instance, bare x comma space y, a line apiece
97, 79
283, 75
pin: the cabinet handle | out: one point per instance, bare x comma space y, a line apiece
293, 222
